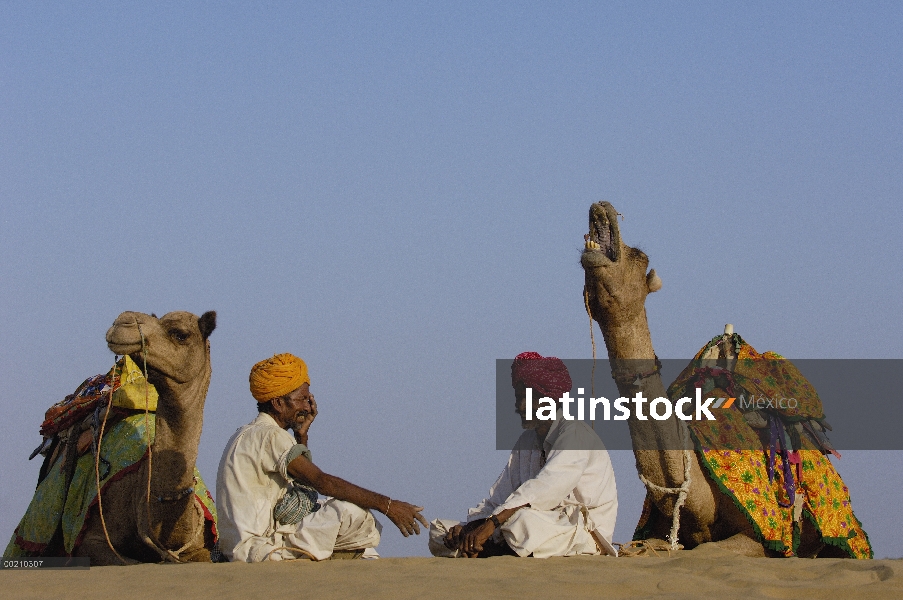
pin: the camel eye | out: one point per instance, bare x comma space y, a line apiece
180, 336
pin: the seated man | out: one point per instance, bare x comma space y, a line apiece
266, 491
555, 497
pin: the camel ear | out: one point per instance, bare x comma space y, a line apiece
653, 282
207, 323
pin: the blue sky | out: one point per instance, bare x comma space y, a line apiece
397, 192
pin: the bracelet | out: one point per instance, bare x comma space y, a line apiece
495, 521
388, 506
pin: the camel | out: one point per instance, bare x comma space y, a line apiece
617, 284
170, 526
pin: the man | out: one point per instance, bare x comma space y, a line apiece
555, 497
267, 484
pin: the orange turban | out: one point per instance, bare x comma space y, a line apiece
277, 376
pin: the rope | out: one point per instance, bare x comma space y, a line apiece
680, 491
173, 555
103, 522
305, 553
150, 450
165, 553
643, 548
592, 339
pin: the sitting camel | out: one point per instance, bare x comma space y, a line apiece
170, 525
153, 504
617, 284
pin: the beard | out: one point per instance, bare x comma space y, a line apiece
299, 419
525, 424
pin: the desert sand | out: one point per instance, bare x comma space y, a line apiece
707, 572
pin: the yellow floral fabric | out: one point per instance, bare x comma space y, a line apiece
743, 475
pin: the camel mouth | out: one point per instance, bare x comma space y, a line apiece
124, 349
124, 339
604, 234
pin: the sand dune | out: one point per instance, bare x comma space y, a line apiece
705, 572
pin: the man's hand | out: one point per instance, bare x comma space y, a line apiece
405, 517
469, 538
454, 539
471, 543
303, 426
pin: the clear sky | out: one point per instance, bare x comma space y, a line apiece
397, 192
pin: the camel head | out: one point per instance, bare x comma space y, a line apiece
176, 344
616, 279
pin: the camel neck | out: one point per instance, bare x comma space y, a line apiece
179, 423
630, 352
628, 338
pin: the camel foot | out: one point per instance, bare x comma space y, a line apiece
196, 555
740, 544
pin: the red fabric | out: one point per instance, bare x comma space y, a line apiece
546, 375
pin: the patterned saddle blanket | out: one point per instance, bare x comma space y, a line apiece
771, 462
122, 450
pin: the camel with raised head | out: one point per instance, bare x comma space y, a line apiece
617, 283
170, 525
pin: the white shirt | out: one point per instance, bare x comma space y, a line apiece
577, 472
251, 479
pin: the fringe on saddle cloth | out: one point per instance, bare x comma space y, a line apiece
66, 492
777, 472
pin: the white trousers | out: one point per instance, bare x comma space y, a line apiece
542, 533
337, 525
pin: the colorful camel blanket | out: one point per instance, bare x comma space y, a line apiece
122, 450
124, 383
772, 489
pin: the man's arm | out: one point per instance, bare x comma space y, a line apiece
470, 540
404, 515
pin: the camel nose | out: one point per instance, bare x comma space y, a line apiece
124, 329
128, 318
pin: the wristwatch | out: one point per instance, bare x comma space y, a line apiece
495, 521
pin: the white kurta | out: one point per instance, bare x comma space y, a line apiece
252, 478
573, 494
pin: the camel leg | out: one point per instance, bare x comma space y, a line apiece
94, 545
201, 554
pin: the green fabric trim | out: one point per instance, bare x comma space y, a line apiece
296, 451
840, 542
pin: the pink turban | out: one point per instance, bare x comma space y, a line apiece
546, 375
